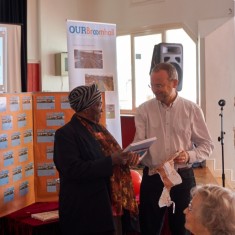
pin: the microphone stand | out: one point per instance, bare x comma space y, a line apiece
221, 139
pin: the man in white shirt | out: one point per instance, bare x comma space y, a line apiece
182, 135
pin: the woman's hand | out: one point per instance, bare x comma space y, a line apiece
120, 158
134, 159
123, 158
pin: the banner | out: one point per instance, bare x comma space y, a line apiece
92, 59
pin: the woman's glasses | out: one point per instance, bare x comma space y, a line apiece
190, 208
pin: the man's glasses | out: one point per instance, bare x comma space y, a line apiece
155, 86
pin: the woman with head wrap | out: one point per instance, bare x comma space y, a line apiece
211, 211
95, 179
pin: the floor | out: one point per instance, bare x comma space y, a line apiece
204, 176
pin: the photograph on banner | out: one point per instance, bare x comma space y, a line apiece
45, 102
8, 158
55, 119
21, 118
88, 59
28, 136
104, 82
49, 152
7, 122
110, 111
29, 169
14, 103
64, 102
24, 188
23, 154
3, 104
27, 102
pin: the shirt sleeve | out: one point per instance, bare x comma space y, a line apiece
203, 145
140, 125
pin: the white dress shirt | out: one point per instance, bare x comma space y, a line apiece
181, 126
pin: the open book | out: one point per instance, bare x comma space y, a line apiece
140, 147
46, 216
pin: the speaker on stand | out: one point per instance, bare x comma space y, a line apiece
170, 53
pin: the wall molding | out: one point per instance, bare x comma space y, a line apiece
217, 173
141, 2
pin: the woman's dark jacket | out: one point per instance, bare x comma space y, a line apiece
84, 198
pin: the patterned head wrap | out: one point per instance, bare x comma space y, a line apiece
82, 97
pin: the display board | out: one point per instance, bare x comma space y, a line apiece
50, 112
28, 124
16, 152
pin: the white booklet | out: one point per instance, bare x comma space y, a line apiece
46, 216
140, 147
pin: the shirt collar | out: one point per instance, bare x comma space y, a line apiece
172, 104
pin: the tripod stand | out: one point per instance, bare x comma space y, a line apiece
221, 138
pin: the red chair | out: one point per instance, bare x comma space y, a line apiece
136, 180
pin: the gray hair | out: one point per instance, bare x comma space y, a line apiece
168, 67
217, 209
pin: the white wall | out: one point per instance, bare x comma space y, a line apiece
47, 31
52, 24
135, 16
33, 32
210, 21
220, 84
47, 36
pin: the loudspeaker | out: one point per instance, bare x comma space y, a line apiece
170, 53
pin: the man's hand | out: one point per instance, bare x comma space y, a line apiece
182, 158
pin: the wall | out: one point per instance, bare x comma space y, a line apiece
156, 12
210, 22
220, 84
47, 31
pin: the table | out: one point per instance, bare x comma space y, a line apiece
21, 223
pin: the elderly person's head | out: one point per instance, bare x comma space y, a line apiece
86, 101
211, 211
